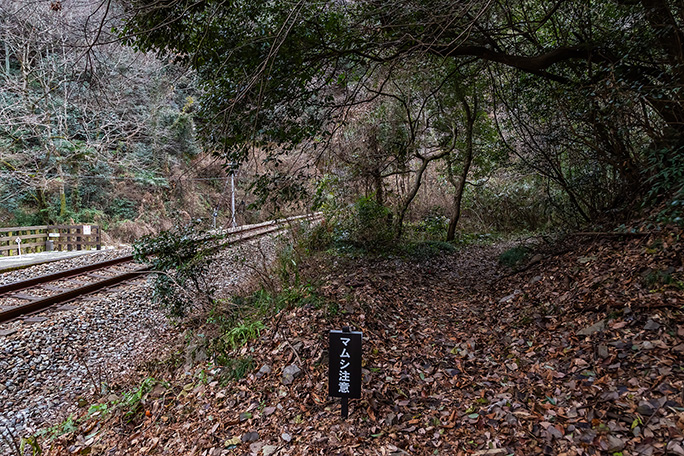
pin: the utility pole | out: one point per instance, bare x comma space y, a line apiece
233, 223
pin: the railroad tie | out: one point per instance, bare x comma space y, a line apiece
24, 296
53, 288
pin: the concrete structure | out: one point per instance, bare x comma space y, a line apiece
30, 259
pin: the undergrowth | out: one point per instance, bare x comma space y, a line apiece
131, 405
235, 368
515, 256
180, 259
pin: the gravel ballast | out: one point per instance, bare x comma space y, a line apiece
46, 366
62, 265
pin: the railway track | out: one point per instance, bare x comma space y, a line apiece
36, 294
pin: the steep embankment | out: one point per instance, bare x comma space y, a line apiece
582, 353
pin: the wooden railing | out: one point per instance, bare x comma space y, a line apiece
32, 239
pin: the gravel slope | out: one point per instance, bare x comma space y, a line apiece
46, 366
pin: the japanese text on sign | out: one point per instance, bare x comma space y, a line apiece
345, 364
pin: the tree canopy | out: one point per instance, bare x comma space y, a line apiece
587, 94
273, 52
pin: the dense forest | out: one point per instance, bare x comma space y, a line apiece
489, 116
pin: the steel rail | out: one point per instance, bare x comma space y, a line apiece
32, 282
40, 304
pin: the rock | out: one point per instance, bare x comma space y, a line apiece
265, 370
652, 325
250, 437
587, 436
195, 353
255, 448
511, 419
268, 411
602, 351
645, 408
268, 450
554, 432
536, 259
596, 327
615, 443
285, 436
647, 345
290, 373
399, 452
675, 448
510, 297
491, 452
610, 396
645, 449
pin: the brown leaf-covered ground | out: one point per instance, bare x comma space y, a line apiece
582, 353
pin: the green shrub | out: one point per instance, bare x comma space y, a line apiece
673, 211
665, 171
513, 257
123, 209
243, 333
131, 401
654, 279
235, 368
235, 331
266, 303
319, 238
427, 249
365, 225
180, 258
22, 218
287, 266
510, 203
434, 225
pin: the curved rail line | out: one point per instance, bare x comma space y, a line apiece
68, 295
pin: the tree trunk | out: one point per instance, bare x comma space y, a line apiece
39, 196
671, 39
425, 161
7, 59
409, 199
377, 184
459, 186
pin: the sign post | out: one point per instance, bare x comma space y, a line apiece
344, 368
18, 241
